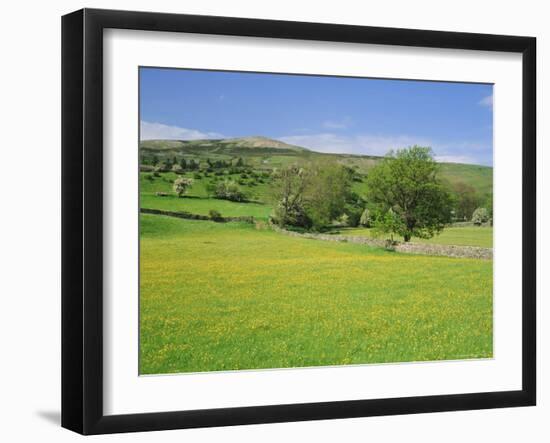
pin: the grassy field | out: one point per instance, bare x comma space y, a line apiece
229, 296
204, 205
197, 201
460, 236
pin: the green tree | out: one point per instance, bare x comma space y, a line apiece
328, 191
387, 222
312, 195
183, 163
406, 181
229, 190
466, 201
288, 191
182, 185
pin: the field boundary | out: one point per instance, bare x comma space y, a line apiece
407, 248
190, 216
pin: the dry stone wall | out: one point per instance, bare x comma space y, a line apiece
409, 248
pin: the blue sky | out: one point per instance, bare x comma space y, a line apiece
326, 114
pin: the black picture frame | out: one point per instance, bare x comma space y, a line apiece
82, 218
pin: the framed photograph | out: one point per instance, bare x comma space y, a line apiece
268, 221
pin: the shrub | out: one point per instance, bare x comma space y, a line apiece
181, 185
229, 190
480, 216
343, 220
215, 215
149, 177
177, 168
197, 176
286, 214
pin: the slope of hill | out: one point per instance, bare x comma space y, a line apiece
261, 142
228, 146
263, 153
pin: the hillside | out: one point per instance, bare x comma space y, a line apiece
260, 142
228, 147
262, 153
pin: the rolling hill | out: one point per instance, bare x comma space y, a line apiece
262, 153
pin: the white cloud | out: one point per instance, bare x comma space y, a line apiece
486, 101
159, 131
455, 159
355, 144
330, 142
366, 144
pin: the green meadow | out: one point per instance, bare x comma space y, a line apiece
227, 296
197, 200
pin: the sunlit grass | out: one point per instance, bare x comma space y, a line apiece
228, 296
196, 200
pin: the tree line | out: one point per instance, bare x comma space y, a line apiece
171, 163
405, 196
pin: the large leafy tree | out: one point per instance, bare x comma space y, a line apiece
406, 185
311, 195
327, 193
181, 185
288, 190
